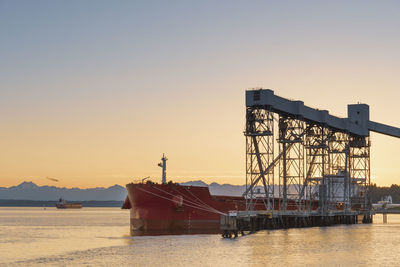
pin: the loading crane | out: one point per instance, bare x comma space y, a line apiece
321, 157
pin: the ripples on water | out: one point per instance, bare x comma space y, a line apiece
100, 237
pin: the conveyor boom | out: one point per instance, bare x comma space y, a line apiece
357, 122
384, 129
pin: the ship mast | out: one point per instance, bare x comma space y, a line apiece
163, 165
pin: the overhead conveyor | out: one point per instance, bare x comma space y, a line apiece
357, 122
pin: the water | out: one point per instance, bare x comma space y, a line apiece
100, 237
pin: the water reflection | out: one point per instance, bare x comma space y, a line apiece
175, 232
101, 237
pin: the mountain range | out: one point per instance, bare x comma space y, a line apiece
31, 191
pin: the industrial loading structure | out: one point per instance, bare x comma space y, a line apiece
320, 159
304, 167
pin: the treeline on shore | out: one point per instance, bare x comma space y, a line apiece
379, 192
52, 203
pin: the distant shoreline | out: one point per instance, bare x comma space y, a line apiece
52, 203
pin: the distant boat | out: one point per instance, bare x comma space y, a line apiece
62, 204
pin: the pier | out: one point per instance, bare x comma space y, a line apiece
234, 224
387, 211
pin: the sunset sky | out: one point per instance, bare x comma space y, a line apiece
92, 93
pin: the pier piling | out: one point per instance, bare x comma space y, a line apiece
232, 225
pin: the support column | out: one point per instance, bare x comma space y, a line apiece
291, 174
259, 155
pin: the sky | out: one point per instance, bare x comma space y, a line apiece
92, 93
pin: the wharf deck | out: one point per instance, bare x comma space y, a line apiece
252, 221
387, 211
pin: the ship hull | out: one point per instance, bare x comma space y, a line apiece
168, 226
69, 206
173, 208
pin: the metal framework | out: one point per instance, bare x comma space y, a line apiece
291, 164
259, 155
323, 162
317, 161
359, 161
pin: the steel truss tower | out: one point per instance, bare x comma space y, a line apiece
322, 159
317, 161
291, 164
359, 160
337, 192
259, 155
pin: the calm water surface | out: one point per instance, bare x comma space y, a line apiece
100, 237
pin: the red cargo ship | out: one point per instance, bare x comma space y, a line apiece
173, 208
169, 208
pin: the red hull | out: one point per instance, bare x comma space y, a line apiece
69, 206
171, 208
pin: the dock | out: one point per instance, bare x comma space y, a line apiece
240, 222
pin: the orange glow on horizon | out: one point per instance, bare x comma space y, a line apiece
94, 98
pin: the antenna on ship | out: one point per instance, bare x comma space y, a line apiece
163, 165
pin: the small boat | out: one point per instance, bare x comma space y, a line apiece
62, 204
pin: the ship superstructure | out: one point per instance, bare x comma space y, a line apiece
63, 204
